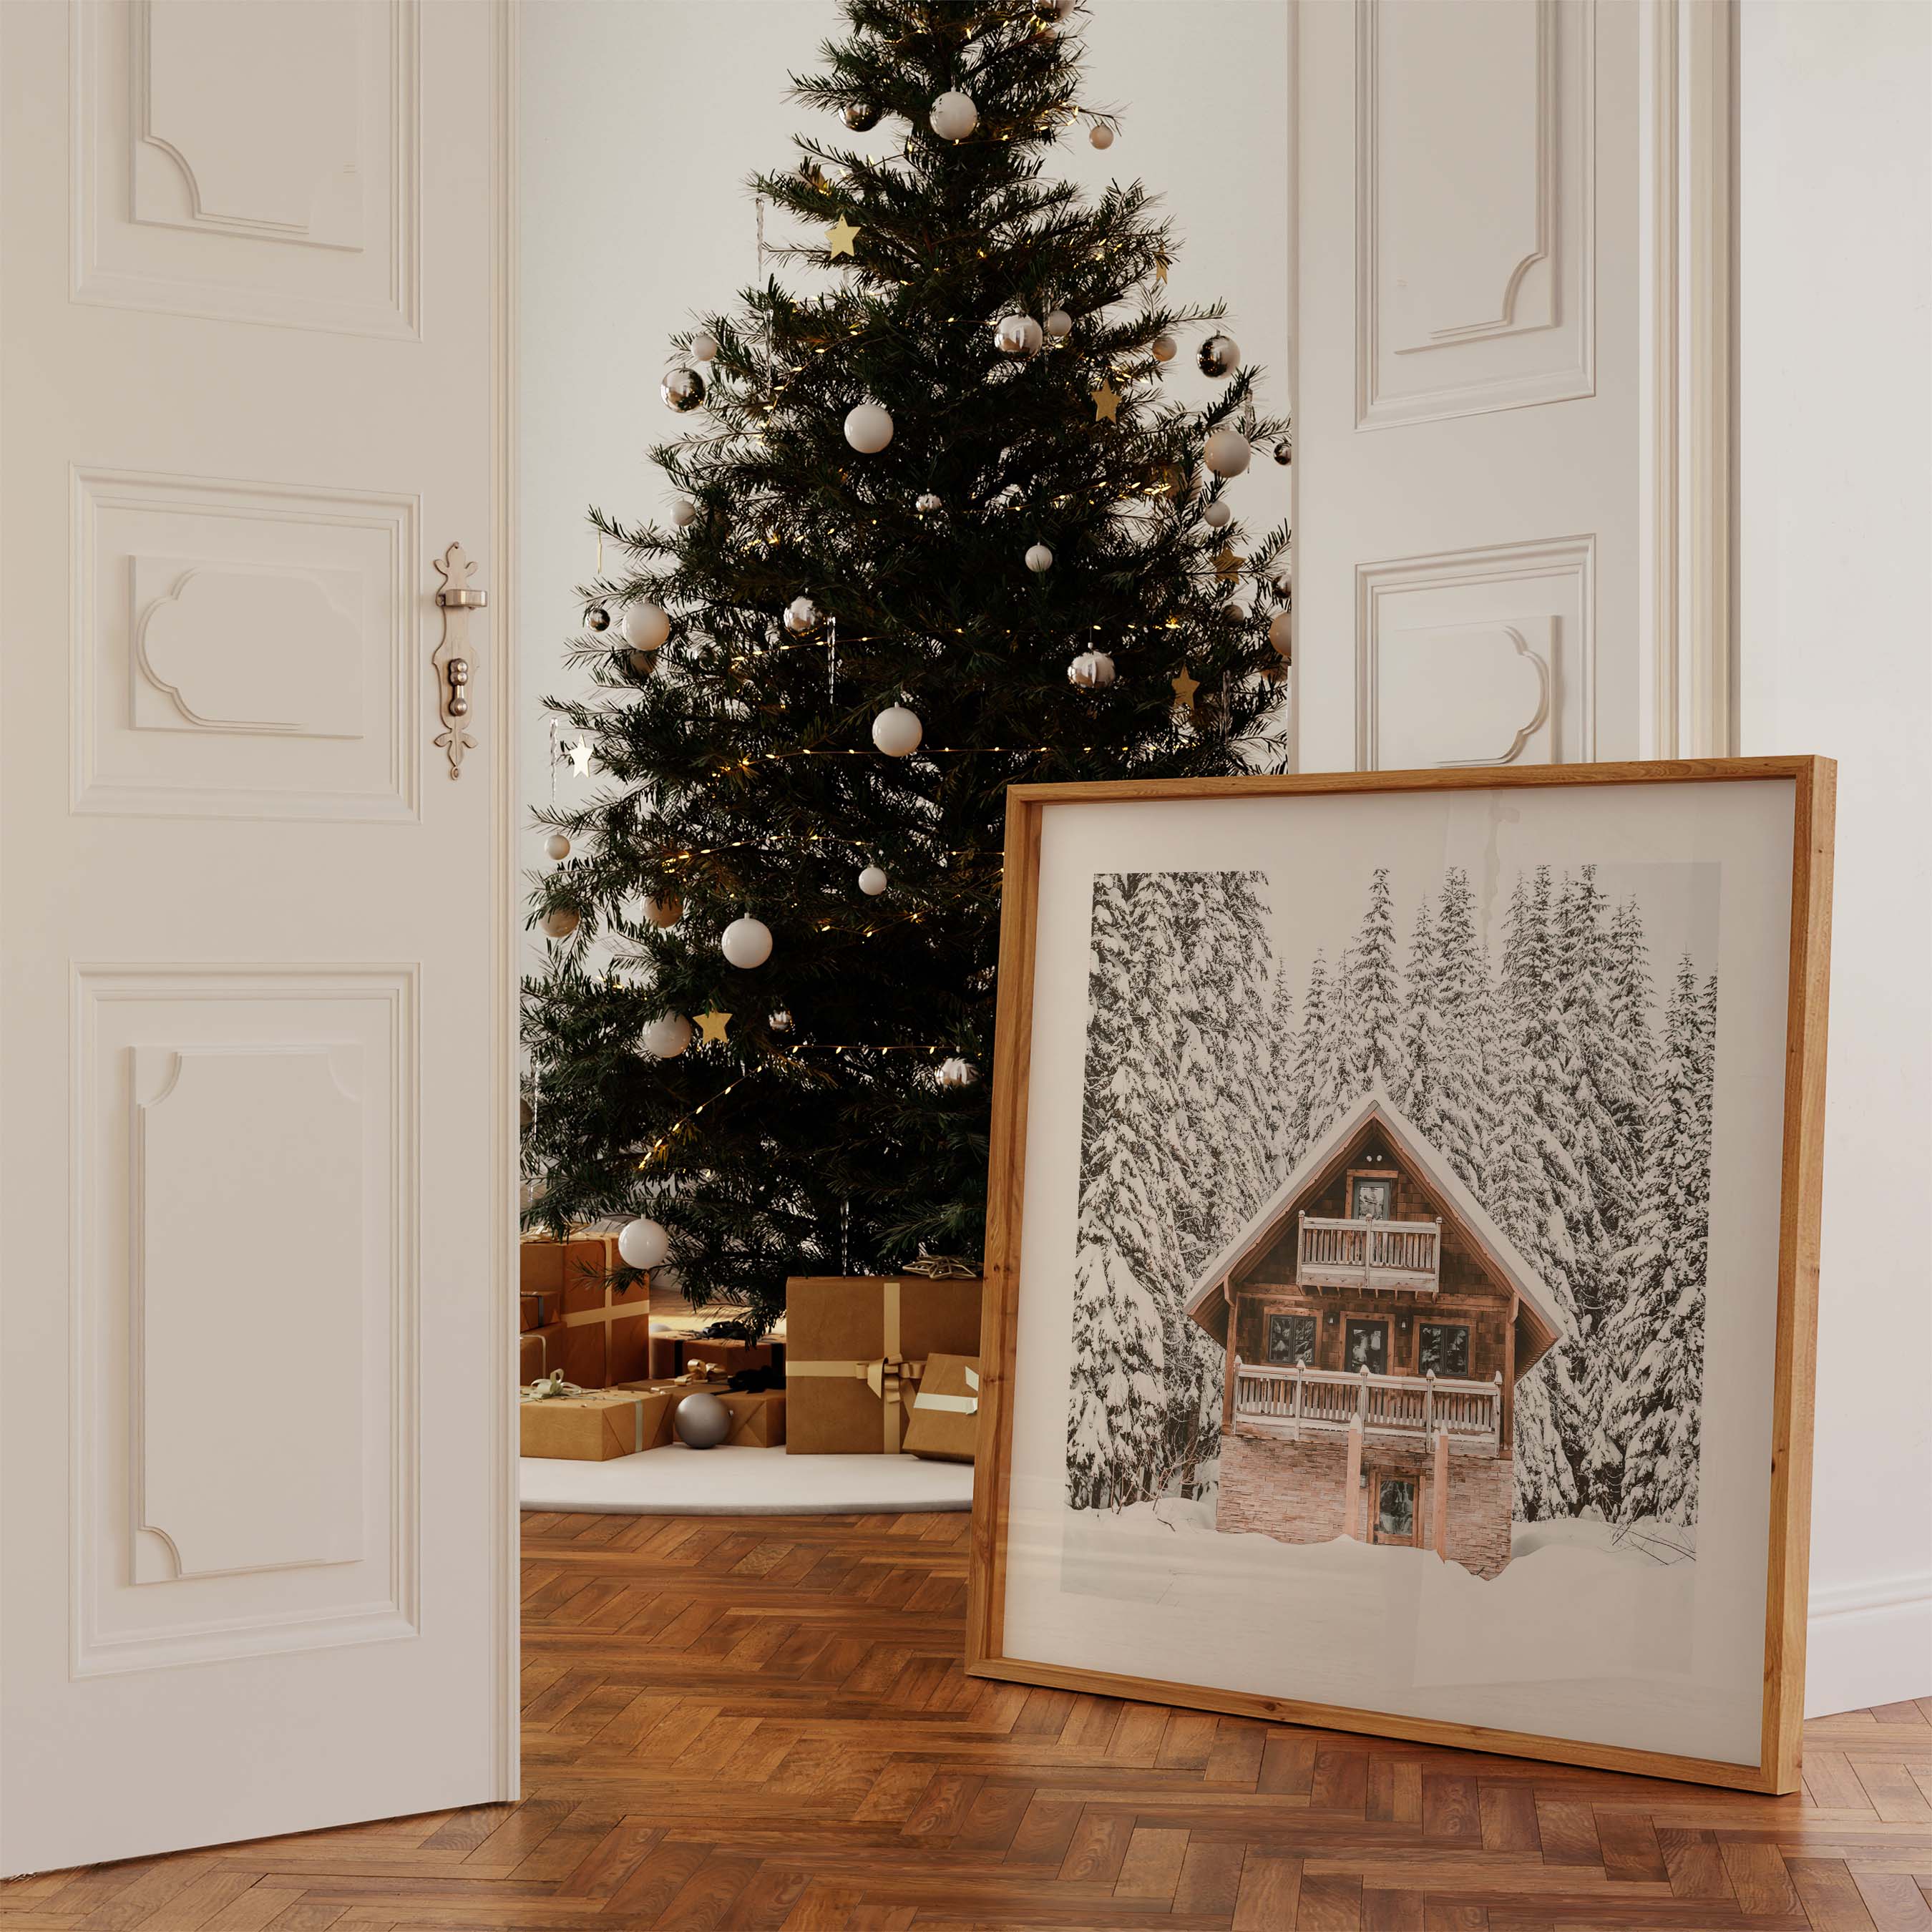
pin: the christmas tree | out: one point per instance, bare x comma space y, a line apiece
938, 531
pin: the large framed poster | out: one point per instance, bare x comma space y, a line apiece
1402, 1254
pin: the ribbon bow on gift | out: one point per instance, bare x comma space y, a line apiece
550, 1387
886, 1377
941, 1267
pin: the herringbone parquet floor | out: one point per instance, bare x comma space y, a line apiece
760, 1722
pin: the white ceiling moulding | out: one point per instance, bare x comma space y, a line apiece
1688, 471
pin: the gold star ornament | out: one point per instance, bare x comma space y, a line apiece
1228, 562
1106, 403
711, 1025
840, 236
1161, 265
1184, 688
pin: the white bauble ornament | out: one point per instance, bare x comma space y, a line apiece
1164, 348
1038, 558
644, 1244
897, 731
683, 512
560, 924
1281, 633
682, 390
1220, 355
557, 846
666, 911
872, 881
747, 943
1091, 671
954, 116
1235, 612
666, 1038
956, 1073
646, 624
1226, 452
704, 345
1017, 335
1217, 515
929, 504
868, 428
801, 616
1101, 135
1059, 324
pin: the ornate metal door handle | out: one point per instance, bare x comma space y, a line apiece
450, 658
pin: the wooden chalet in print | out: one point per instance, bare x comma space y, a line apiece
1375, 1322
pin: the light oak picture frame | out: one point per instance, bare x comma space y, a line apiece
1797, 1159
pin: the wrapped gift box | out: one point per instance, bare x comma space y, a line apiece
609, 1328
945, 1421
856, 1348
678, 1341
757, 1418
538, 1308
598, 1424
541, 1352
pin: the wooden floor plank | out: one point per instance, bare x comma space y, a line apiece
760, 1725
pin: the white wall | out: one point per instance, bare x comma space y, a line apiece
1835, 395
639, 125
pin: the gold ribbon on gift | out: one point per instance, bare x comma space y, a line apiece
886, 1375
941, 1267
551, 1387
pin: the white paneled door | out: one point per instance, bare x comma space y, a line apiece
256, 1527
1511, 390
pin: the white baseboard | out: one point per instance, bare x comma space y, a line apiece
1870, 1643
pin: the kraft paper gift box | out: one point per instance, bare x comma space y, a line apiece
609, 1339
541, 1350
945, 1423
678, 1342
597, 1425
538, 1308
856, 1348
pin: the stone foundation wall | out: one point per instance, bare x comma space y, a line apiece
1294, 1492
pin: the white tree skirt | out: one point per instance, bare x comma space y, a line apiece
740, 1481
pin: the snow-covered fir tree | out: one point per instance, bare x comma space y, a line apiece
1371, 1049
1465, 1089
1312, 1065
1417, 1087
1282, 1093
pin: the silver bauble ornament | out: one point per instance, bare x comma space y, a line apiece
746, 943
682, 389
954, 116
897, 731
683, 512
956, 1073
646, 624
1059, 324
1038, 558
868, 428
666, 911
560, 923
704, 345
1101, 135
1164, 348
1017, 334
1091, 671
928, 503
1226, 452
643, 1244
872, 881
666, 1037
780, 1020
801, 617
1284, 452
597, 618
1220, 355
701, 1420
643, 662
1281, 634
861, 116
1283, 581
1218, 515
557, 847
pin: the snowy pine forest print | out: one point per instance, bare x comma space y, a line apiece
1562, 1072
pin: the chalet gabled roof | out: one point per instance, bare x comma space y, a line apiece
1413, 1148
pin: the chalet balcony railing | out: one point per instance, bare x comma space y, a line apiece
1296, 1402
1387, 1255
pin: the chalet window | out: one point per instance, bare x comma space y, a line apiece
1371, 1198
1365, 1345
1444, 1347
1290, 1338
